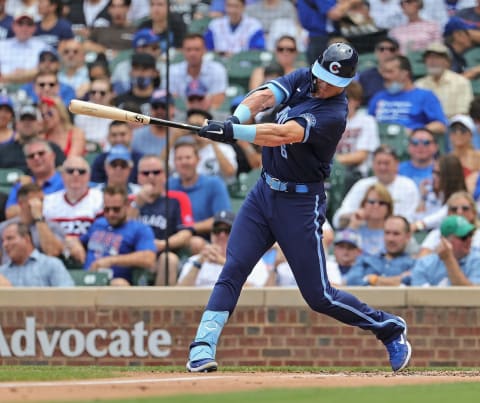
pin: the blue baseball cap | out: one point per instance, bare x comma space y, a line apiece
348, 236
119, 152
196, 88
145, 37
457, 24
159, 97
6, 101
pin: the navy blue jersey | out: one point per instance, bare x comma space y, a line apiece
153, 215
324, 121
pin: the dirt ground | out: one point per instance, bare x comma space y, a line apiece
162, 384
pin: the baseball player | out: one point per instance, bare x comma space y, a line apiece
288, 202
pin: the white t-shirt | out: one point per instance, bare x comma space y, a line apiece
285, 276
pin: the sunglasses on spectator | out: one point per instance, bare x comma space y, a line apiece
466, 237
102, 93
286, 49
113, 209
386, 49
153, 172
47, 58
375, 201
80, 171
25, 22
219, 230
34, 154
417, 142
454, 209
70, 51
45, 84
119, 164
458, 128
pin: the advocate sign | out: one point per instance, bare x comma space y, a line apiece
136, 342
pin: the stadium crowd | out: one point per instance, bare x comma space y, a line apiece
148, 205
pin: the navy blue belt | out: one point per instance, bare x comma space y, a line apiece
289, 187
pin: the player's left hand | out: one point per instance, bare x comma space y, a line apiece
218, 131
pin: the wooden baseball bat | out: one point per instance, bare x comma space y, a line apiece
110, 112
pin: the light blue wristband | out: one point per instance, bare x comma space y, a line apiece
245, 132
243, 113
277, 93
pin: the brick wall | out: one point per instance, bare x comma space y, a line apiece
286, 333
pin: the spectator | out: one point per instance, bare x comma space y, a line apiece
28, 125
118, 168
403, 103
235, 32
116, 37
52, 28
158, 23
58, 127
387, 14
461, 131
144, 79
144, 41
285, 56
417, 33
474, 112
208, 194
196, 96
459, 37
447, 179
454, 262
119, 133
459, 203
210, 74
14, 7
77, 206
27, 266
152, 139
268, 11
96, 129
74, 70
422, 150
165, 222
87, 14
360, 138
402, 189
445, 83
41, 163
371, 79
7, 115
19, 55
390, 267
369, 220
203, 269
470, 14
47, 236
117, 243
6, 21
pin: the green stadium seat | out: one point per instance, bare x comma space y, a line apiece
89, 278
395, 136
241, 65
472, 56
8, 178
336, 187
366, 61
199, 26
418, 66
120, 57
142, 277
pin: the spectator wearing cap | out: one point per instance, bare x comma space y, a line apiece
158, 23
28, 126
196, 96
454, 262
416, 34
209, 75
19, 55
118, 167
7, 115
152, 139
52, 28
119, 133
460, 133
469, 13
74, 71
6, 21
145, 78
87, 14
387, 14
203, 269
116, 37
403, 103
461, 36
14, 7
445, 83
371, 79
403, 190
144, 41
390, 267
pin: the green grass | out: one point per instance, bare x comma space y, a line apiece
445, 393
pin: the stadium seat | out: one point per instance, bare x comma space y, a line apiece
472, 56
231, 92
335, 187
88, 278
418, 66
199, 26
241, 65
366, 61
142, 277
120, 57
8, 177
396, 137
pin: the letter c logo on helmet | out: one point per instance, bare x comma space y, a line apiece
337, 65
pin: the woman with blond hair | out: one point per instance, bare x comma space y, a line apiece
369, 219
459, 203
59, 129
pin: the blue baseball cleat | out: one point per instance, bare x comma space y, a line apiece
399, 350
205, 365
